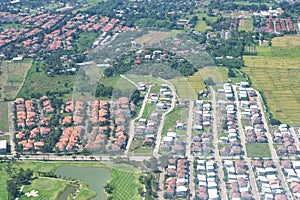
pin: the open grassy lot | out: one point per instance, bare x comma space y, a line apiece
149, 108
286, 41
47, 188
39, 82
153, 37
3, 117
276, 71
85, 40
172, 117
246, 25
12, 77
258, 150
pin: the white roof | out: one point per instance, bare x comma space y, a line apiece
212, 184
3, 144
181, 189
171, 134
201, 177
202, 183
168, 139
182, 180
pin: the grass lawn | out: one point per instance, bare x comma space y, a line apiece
276, 72
149, 108
12, 77
258, 150
125, 185
3, 117
143, 151
38, 82
85, 40
172, 117
246, 25
3, 177
155, 89
47, 188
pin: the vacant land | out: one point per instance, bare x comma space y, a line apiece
37, 82
246, 25
85, 40
170, 120
276, 71
149, 108
258, 150
12, 76
3, 117
153, 37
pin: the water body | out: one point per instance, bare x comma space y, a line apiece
96, 178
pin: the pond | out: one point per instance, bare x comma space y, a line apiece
96, 178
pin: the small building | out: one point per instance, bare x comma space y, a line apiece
3, 146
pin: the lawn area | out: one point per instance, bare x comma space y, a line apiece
144, 151
3, 117
85, 40
12, 77
38, 83
246, 25
149, 108
172, 117
276, 72
258, 150
47, 188
3, 177
125, 185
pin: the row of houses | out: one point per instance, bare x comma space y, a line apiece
269, 184
173, 143
232, 142
285, 141
291, 171
207, 181
176, 179
238, 183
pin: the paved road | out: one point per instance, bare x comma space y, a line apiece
243, 139
188, 149
11, 126
216, 155
131, 126
275, 157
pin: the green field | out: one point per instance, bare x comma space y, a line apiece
149, 108
47, 188
125, 185
246, 25
172, 117
276, 72
3, 117
85, 40
12, 77
40, 83
258, 150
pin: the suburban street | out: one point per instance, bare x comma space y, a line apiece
216, 154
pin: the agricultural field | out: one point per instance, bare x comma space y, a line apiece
246, 25
258, 150
37, 82
3, 117
12, 77
276, 71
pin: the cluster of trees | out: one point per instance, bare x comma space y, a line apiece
18, 178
